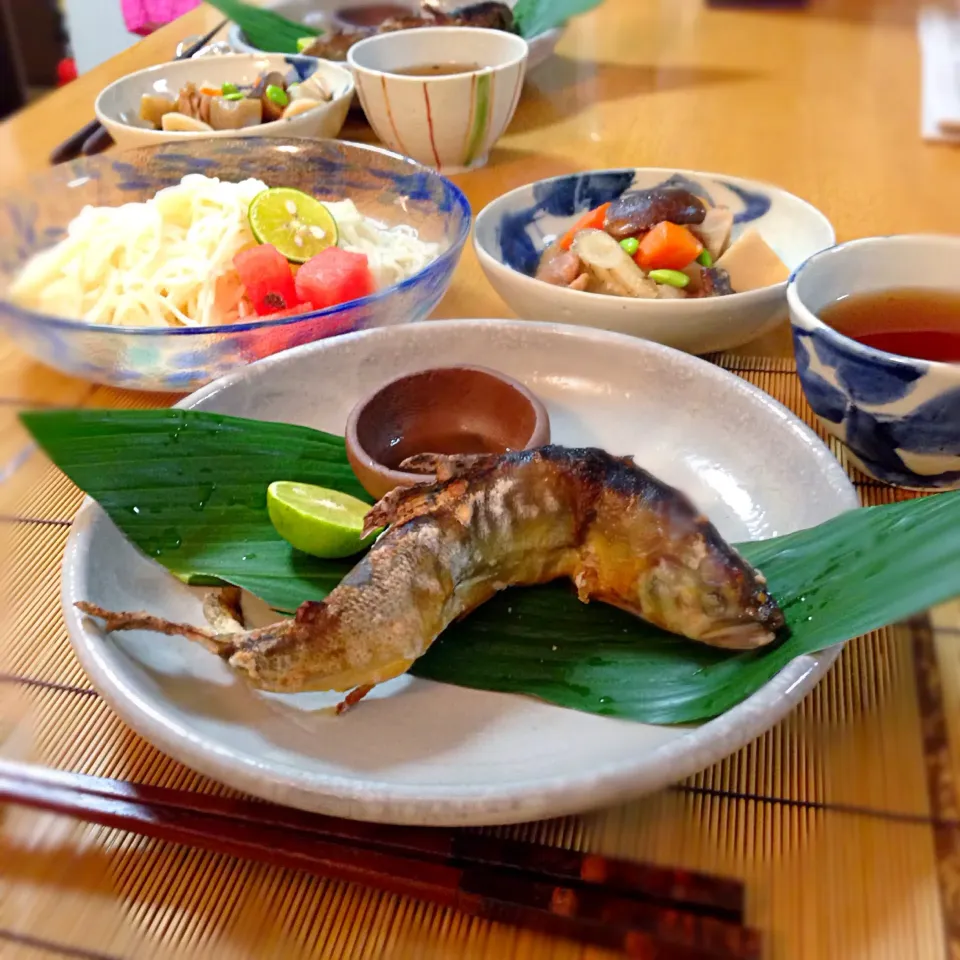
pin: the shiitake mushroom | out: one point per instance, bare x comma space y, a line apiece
636, 212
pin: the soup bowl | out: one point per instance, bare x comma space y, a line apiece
898, 417
447, 122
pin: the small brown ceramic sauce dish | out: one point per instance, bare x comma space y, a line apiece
448, 410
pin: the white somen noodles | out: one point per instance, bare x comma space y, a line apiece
169, 261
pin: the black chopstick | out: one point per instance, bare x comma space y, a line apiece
93, 138
97, 142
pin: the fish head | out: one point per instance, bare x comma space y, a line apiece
716, 598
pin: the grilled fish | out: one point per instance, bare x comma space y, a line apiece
490, 522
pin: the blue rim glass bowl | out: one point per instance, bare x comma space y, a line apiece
383, 185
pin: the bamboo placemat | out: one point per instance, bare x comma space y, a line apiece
842, 820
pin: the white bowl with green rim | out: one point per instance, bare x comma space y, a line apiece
447, 122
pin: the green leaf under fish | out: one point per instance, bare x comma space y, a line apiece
533, 17
189, 488
265, 29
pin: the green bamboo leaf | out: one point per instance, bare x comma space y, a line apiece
189, 488
856, 573
265, 29
533, 17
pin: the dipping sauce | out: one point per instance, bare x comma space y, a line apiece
448, 443
372, 14
437, 70
909, 321
446, 410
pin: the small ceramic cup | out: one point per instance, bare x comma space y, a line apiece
444, 410
448, 122
898, 417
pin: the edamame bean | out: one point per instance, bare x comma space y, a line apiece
705, 258
630, 245
235, 95
672, 278
229, 88
277, 94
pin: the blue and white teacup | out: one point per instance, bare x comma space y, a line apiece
899, 417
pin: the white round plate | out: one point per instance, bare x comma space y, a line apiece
421, 752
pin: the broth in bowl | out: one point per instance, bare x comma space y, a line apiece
437, 69
910, 321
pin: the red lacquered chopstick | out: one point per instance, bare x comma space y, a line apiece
689, 890
398, 860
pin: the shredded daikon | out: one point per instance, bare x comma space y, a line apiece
169, 260
393, 253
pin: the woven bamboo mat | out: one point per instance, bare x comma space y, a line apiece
842, 820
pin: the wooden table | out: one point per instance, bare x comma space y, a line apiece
827, 817
822, 100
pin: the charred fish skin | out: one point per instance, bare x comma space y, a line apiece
490, 522
689, 579
640, 544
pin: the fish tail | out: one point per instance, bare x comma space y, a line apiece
113, 620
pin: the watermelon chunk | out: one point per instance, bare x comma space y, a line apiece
267, 278
334, 276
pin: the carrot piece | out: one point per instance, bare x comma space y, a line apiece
667, 246
592, 220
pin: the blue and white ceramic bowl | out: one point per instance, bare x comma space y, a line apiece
899, 417
513, 231
118, 105
389, 188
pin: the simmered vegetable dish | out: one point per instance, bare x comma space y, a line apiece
233, 107
661, 243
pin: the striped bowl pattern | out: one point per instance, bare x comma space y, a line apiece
447, 122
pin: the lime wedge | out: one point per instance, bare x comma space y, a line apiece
304, 43
298, 225
321, 522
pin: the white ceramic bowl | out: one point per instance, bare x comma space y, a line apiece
445, 122
512, 232
320, 14
118, 105
899, 417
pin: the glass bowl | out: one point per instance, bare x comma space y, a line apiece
383, 185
